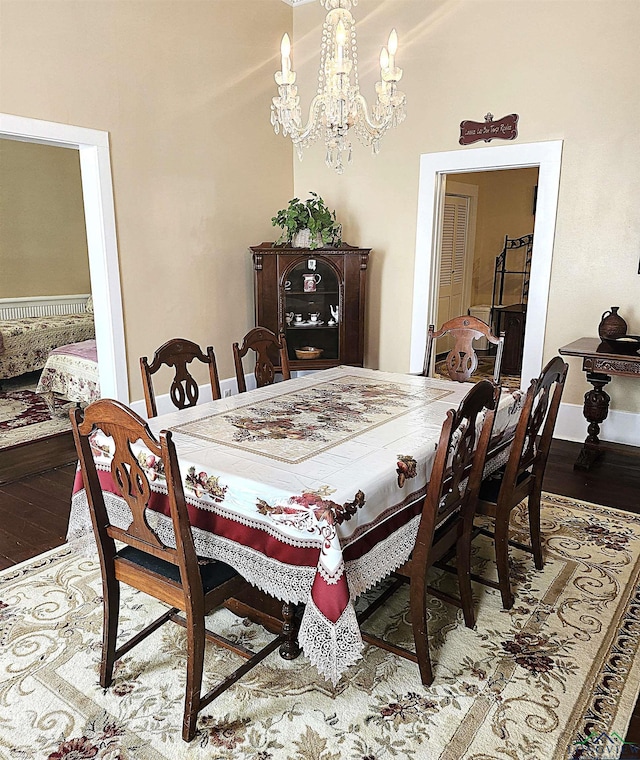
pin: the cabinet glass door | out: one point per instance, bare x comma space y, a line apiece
311, 305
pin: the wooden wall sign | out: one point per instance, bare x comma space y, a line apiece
505, 128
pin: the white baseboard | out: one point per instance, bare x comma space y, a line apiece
619, 427
228, 387
139, 408
164, 404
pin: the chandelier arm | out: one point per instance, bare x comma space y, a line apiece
375, 128
306, 132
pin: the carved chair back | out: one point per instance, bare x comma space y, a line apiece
459, 463
521, 478
534, 432
184, 391
462, 361
267, 346
137, 458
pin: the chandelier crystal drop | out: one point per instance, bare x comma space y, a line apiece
338, 105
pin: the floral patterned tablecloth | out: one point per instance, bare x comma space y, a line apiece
310, 488
71, 373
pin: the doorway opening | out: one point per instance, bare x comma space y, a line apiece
97, 194
486, 245
434, 168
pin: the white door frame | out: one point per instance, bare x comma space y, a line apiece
471, 193
433, 168
97, 192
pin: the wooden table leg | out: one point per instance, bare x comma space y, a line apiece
596, 409
257, 606
289, 648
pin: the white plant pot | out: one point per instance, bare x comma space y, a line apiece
302, 239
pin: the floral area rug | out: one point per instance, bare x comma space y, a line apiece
555, 677
24, 416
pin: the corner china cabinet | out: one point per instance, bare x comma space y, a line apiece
316, 299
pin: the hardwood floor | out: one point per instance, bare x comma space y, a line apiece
36, 456
614, 482
34, 510
34, 514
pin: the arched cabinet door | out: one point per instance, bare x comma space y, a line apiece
316, 298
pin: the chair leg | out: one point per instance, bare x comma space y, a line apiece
501, 542
110, 614
534, 526
195, 662
463, 563
417, 593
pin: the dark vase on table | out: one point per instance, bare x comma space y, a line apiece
612, 326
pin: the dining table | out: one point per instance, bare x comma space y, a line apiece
311, 488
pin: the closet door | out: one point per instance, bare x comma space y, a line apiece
453, 259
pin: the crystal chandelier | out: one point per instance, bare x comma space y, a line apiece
339, 106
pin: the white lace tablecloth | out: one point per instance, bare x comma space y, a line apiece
310, 488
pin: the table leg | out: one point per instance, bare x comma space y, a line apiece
289, 648
257, 606
596, 409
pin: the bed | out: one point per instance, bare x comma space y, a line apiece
70, 374
28, 333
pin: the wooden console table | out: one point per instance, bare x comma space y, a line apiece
600, 360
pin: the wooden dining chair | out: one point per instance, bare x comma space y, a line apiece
267, 346
146, 562
184, 391
446, 521
462, 361
522, 476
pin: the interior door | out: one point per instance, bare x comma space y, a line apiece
455, 226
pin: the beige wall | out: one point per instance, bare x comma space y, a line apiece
505, 207
43, 244
570, 71
184, 90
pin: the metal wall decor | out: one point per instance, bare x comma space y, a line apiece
505, 128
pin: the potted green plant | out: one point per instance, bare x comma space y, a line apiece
307, 224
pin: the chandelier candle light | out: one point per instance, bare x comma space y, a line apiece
338, 105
